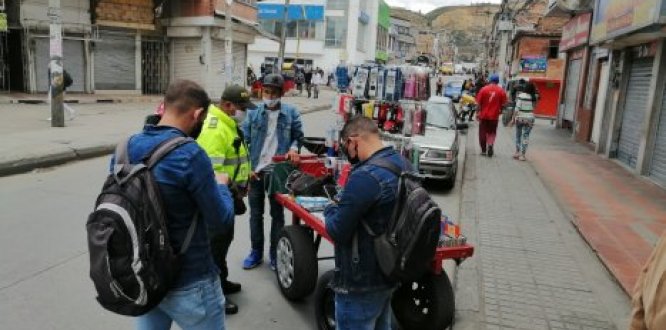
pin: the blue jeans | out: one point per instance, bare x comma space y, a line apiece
195, 306
523, 130
257, 197
363, 311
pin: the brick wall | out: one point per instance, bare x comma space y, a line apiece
539, 46
189, 8
127, 11
238, 9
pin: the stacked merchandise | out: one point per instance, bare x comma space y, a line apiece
450, 234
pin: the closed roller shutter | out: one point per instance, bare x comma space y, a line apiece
186, 63
115, 65
73, 62
240, 64
571, 92
217, 77
635, 106
658, 164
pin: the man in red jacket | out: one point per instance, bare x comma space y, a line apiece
490, 100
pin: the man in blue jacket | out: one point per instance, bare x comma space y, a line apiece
187, 185
274, 128
362, 292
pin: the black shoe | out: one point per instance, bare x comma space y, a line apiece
490, 150
229, 307
229, 287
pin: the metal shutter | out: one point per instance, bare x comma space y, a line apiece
216, 85
658, 163
635, 106
186, 54
240, 64
73, 62
571, 92
115, 65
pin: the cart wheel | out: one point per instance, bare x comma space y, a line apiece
296, 263
425, 305
325, 302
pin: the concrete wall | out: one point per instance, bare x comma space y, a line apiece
538, 46
75, 15
135, 11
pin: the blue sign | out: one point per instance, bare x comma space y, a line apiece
533, 64
268, 11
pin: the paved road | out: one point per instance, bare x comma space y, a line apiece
44, 281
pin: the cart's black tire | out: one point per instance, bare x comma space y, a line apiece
297, 269
325, 302
436, 304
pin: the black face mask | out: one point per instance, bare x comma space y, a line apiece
345, 152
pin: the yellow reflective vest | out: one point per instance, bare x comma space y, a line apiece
224, 145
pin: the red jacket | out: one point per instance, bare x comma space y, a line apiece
490, 99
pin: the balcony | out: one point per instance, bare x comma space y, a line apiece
568, 8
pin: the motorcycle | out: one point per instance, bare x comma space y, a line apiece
468, 106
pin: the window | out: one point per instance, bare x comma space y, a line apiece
291, 29
306, 29
295, 29
336, 32
248, 2
337, 4
554, 49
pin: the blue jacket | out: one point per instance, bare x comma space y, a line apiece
187, 184
369, 195
289, 130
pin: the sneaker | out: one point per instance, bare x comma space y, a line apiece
490, 151
516, 156
522, 158
229, 307
273, 264
254, 259
483, 153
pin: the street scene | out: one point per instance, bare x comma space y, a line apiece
332, 164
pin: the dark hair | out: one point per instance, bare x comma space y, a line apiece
184, 95
359, 125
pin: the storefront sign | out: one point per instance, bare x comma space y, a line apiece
533, 64
275, 11
614, 18
576, 32
3, 22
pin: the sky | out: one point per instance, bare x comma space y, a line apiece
428, 5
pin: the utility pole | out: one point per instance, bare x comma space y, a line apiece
228, 46
283, 37
56, 76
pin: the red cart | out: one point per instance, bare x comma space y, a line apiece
425, 304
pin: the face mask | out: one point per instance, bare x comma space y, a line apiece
271, 103
239, 117
352, 160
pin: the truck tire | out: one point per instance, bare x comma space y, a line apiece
427, 304
296, 262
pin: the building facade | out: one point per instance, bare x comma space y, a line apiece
402, 42
341, 31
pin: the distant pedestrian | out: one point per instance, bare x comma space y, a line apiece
490, 100
523, 118
308, 81
440, 86
317, 80
300, 80
67, 82
649, 297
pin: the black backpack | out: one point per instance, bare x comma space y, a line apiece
132, 263
67, 79
406, 249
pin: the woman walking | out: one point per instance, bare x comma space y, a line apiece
523, 118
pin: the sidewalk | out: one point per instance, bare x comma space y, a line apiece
29, 141
531, 269
619, 214
78, 98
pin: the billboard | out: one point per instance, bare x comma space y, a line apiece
613, 18
533, 64
275, 11
576, 32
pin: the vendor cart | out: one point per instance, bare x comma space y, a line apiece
425, 304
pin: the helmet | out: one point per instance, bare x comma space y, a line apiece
494, 79
274, 80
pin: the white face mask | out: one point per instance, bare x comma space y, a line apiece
271, 103
239, 117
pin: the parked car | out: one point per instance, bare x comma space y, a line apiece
452, 90
438, 148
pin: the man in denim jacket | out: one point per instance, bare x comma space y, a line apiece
187, 185
362, 292
274, 128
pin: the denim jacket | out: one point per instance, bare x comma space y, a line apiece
187, 184
369, 196
289, 130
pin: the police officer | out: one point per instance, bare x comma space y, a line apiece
223, 142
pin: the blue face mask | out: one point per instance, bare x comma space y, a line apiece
271, 103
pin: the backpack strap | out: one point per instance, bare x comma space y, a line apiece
383, 163
122, 157
164, 148
190, 234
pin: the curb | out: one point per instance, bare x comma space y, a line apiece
79, 101
24, 165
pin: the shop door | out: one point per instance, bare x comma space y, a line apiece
635, 106
571, 92
115, 64
658, 164
600, 104
154, 66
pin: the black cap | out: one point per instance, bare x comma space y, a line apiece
239, 96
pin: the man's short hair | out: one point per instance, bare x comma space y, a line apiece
359, 125
184, 95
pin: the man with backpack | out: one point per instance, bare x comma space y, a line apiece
360, 222
223, 141
168, 275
